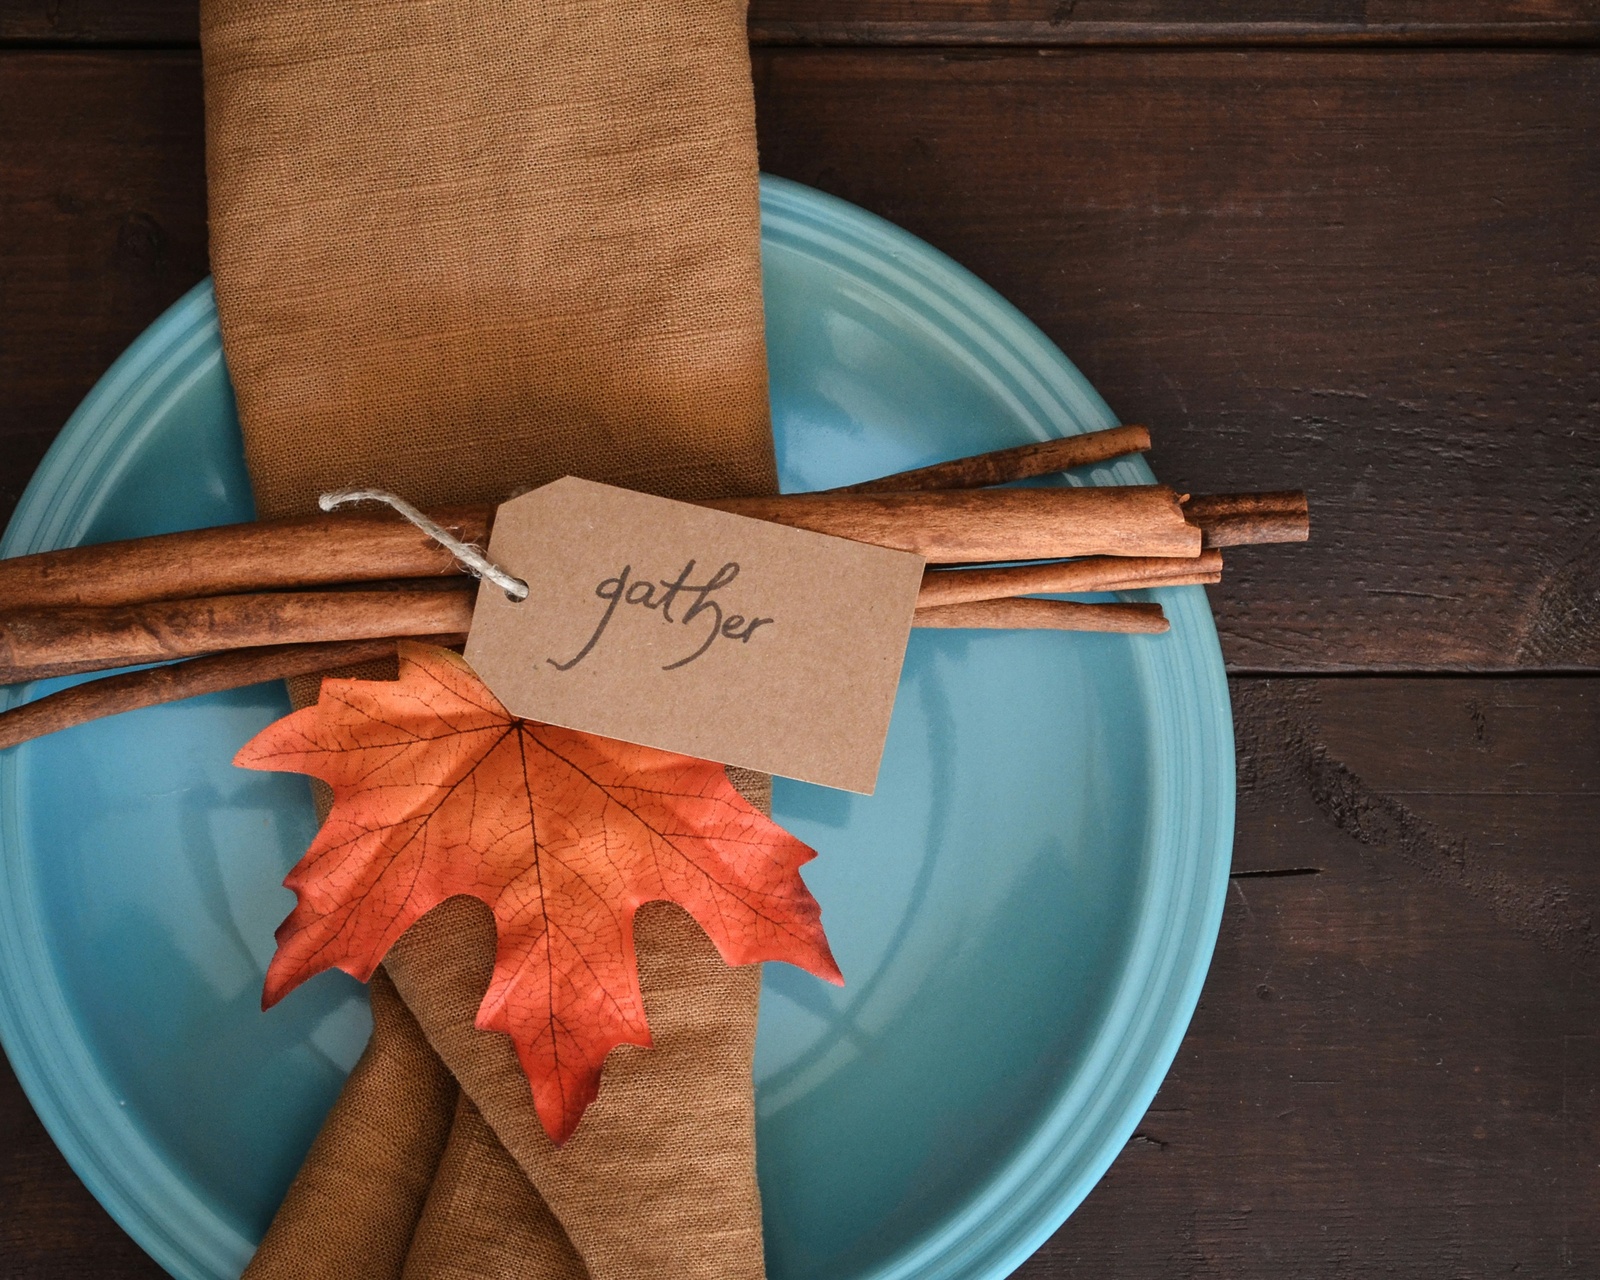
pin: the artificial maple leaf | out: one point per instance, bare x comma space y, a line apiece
439, 791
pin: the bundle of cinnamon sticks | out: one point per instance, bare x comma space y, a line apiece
245, 603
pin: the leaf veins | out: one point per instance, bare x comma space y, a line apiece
439, 791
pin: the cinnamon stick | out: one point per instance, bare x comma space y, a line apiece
958, 527
954, 527
217, 672
130, 690
964, 526
39, 643
299, 551
1251, 519
1002, 466
1025, 614
1096, 573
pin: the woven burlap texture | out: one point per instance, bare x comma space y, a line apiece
387, 1130
483, 1220
462, 246
460, 249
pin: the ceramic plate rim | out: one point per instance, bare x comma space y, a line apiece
1089, 1123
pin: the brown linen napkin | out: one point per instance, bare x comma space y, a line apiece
462, 248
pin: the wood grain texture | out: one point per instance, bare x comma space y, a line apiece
89, 22
102, 225
51, 1228
1395, 1068
1173, 23
963, 22
1368, 272
1372, 275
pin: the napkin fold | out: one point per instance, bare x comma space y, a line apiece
461, 248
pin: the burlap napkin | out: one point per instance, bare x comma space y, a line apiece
462, 247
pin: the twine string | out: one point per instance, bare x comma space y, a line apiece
471, 558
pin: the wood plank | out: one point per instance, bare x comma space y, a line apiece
1131, 23
1439, 966
1395, 1068
51, 1228
102, 225
100, 21
964, 22
1368, 274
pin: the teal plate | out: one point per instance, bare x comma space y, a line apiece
1024, 911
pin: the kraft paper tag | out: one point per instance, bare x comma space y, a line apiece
696, 631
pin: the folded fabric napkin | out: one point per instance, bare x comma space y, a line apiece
462, 248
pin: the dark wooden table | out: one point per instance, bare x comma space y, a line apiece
1347, 244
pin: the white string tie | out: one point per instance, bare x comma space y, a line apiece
470, 557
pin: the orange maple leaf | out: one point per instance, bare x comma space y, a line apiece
439, 791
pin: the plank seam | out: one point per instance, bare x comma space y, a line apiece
1413, 673
1044, 35
28, 44
1172, 35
